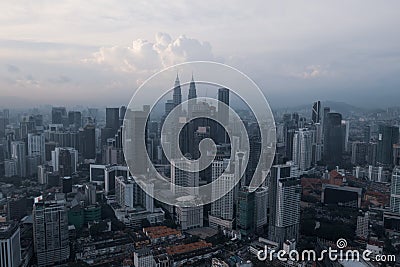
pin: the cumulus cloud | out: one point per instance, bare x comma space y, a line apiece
145, 56
312, 71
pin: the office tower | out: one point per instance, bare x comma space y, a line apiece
17, 208
36, 146
359, 151
10, 253
221, 214
245, 211
125, 191
26, 126
223, 113
122, 111
387, 137
396, 154
192, 96
261, 208
144, 192
184, 182
363, 225
59, 115
18, 153
367, 134
50, 232
316, 112
3, 124
254, 157
395, 191
32, 162
75, 119
284, 203
87, 142
136, 156
345, 134
333, 138
10, 167
112, 119
372, 151
289, 143
64, 160
90, 194
42, 174
177, 96
302, 148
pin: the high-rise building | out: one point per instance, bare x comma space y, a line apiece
261, 208
59, 115
90, 194
112, 119
36, 146
192, 96
359, 151
75, 119
245, 211
395, 191
64, 160
316, 112
333, 138
396, 154
10, 253
50, 232
221, 214
184, 177
87, 142
125, 191
363, 225
387, 137
189, 217
18, 152
223, 113
10, 167
105, 175
345, 134
177, 96
284, 203
302, 148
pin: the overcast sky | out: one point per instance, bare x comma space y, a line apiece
97, 52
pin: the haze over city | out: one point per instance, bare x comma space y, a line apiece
98, 52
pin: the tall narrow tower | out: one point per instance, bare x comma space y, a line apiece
177, 97
192, 96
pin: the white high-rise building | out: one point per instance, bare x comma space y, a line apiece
50, 232
143, 258
18, 150
10, 167
221, 214
395, 191
189, 217
302, 148
284, 203
124, 191
36, 146
10, 252
181, 178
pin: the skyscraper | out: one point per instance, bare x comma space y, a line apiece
284, 203
112, 119
221, 214
387, 137
59, 115
50, 232
18, 153
245, 211
192, 96
395, 191
10, 253
75, 119
223, 113
180, 178
302, 148
36, 146
177, 96
87, 142
316, 112
333, 138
